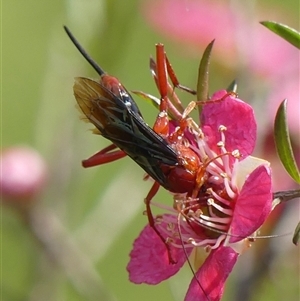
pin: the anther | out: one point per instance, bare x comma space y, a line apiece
207, 249
224, 175
236, 153
169, 240
191, 241
210, 201
220, 144
170, 227
198, 213
222, 128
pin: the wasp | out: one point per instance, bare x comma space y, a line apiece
162, 154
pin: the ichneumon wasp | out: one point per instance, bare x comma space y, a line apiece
165, 156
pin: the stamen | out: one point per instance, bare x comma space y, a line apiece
218, 242
207, 249
201, 149
215, 168
159, 219
236, 154
230, 192
211, 202
211, 213
219, 198
220, 144
222, 128
213, 225
169, 240
179, 246
171, 227
217, 220
226, 162
209, 153
203, 242
198, 212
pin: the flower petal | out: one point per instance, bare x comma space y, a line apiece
149, 261
237, 116
242, 169
212, 275
253, 205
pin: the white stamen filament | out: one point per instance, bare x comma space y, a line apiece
230, 192
211, 213
218, 242
211, 224
204, 242
214, 168
219, 198
212, 203
219, 220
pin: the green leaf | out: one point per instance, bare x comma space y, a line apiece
232, 87
296, 236
289, 34
203, 74
148, 97
283, 143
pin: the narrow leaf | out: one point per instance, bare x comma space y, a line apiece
203, 74
148, 97
289, 34
283, 143
296, 236
232, 87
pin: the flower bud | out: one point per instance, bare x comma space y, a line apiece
23, 175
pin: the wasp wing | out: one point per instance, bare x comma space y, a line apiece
119, 120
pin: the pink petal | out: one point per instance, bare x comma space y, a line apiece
212, 275
237, 116
253, 205
149, 261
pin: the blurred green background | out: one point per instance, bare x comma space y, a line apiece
87, 219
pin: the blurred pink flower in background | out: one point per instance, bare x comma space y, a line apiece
288, 86
195, 23
23, 175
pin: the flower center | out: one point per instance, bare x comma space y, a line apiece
205, 219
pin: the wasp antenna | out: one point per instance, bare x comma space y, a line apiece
97, 68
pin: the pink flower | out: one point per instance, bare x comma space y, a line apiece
195, 23
234, 201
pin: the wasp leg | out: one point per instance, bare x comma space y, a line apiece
106, 155
151, 220
154, 67
175, 80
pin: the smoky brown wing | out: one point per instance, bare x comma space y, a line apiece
96, 102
